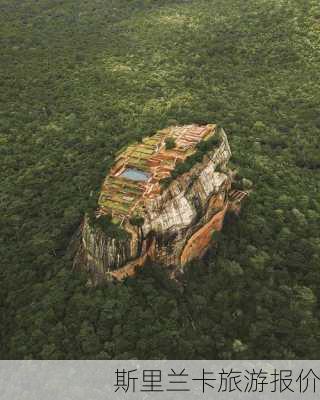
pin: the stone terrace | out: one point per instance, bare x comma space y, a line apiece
122, 197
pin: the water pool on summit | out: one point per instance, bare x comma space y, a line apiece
135, 175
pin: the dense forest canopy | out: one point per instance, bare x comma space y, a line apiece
81, 79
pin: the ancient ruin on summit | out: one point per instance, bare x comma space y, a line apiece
162, 199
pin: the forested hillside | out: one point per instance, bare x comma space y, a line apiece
81, 79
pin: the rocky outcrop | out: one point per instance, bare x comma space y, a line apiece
176, 223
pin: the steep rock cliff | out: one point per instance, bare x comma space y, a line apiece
176, 223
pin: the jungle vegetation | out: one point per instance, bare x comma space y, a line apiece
80, 80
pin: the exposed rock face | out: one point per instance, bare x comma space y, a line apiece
176, 223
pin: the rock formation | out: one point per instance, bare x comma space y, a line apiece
162, 200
